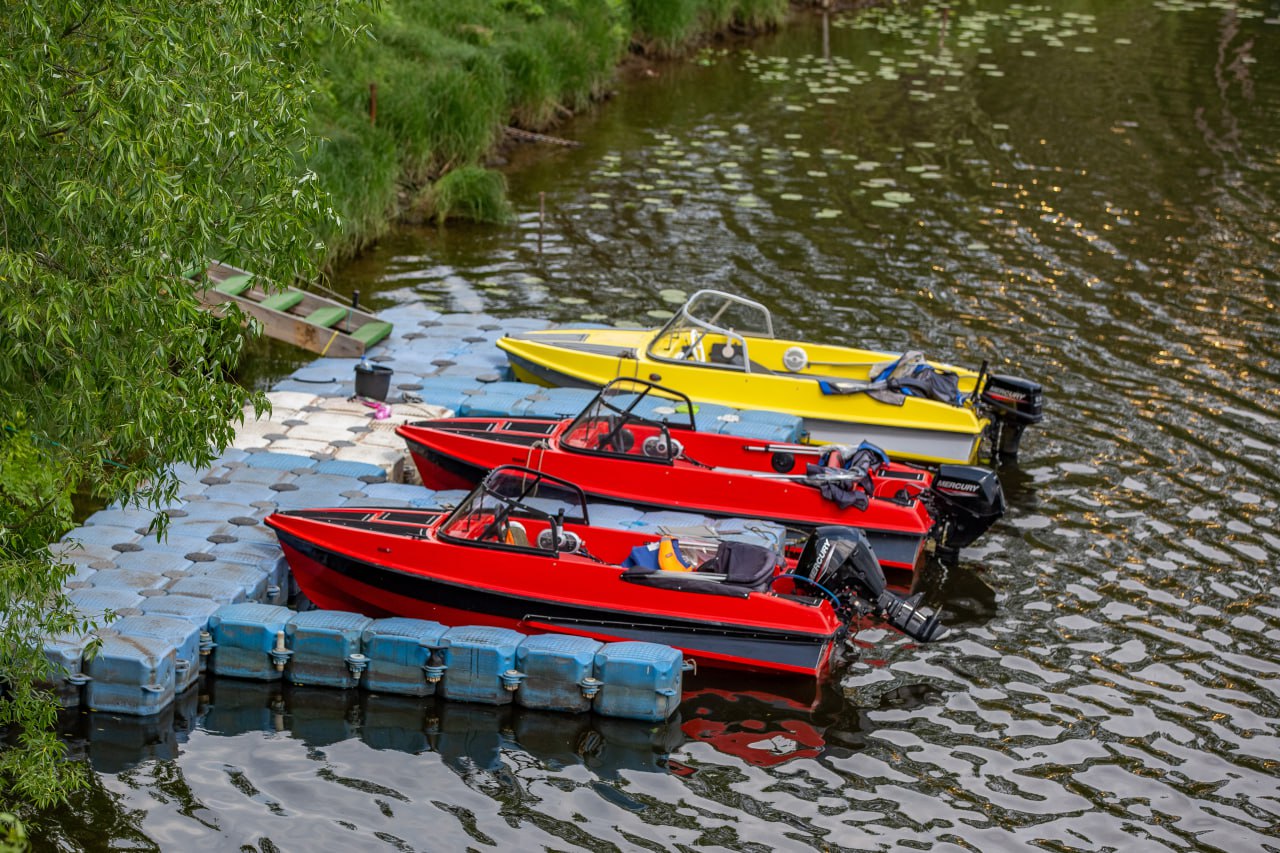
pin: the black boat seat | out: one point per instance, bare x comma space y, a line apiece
742, 564
716, 355
737, 569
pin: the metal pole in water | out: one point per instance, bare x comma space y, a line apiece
542, 217
355, 299
826, 32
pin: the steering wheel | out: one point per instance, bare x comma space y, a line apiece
690, 350
497, 527
618, 438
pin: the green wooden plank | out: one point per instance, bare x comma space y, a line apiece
371, 333
235, 285
282, 301
327, 316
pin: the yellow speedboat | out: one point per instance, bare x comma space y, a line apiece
720, 348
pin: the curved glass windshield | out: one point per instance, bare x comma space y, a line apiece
631, 418
512, 505
712, 328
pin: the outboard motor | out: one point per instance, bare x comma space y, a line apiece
841, 560
1013, 404
965, 501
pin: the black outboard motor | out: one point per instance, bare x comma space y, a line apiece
1013, 404
841, 560
964, 500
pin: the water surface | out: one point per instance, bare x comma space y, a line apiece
1082, 192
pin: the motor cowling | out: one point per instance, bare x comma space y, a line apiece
841, 560
1013, 404
965, 501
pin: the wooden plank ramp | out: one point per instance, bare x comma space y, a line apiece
315, 323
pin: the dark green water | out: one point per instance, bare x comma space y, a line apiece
1082, 192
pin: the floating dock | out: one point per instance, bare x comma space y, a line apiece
186, 603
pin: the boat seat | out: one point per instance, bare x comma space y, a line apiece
517, 535
742, 564
716, 356
328, 316
370, 333
235, 285
282, 301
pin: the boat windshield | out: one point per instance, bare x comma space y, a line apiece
633, 418
712, 328
512, 506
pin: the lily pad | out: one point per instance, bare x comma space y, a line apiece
827, 213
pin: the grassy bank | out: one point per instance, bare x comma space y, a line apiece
449, 75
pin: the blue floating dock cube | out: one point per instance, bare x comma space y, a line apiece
481, 664
65, 676
557, 402
559, 672
184, 635
131, 675
639, 681
400, 653
326, 648
96, 602
195, 610
249, 641
217, 589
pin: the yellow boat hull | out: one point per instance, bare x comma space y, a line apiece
918, 429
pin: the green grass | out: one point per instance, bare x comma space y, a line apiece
470, 192
450, 74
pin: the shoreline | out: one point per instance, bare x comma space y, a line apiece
389, 157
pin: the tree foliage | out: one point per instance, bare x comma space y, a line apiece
136, 139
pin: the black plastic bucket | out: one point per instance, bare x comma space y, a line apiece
373, 381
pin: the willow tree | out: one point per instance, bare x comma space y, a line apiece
136, 138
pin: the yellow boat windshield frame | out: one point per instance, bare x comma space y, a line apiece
712, 328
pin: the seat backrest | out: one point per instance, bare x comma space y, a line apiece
517, 535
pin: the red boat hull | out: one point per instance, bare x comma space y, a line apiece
457, 452
424, 576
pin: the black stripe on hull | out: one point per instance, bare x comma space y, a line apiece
774, 650
547, 376
448, 464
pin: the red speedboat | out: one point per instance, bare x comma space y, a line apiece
519, 552
638, 443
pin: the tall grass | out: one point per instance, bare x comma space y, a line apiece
470, 192
450, 74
